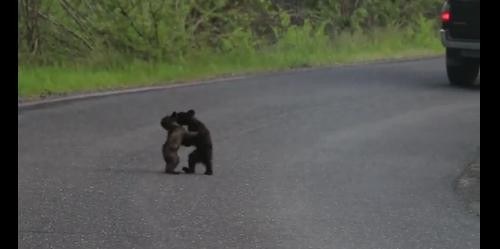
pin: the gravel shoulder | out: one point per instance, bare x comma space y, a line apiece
468, 186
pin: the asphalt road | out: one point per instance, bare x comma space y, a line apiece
351, 157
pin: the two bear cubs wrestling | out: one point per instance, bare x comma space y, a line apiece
197, 135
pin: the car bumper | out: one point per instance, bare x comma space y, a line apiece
448, 42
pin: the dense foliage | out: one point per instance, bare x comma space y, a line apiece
114, 31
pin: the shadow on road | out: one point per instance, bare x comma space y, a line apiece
447, 85
134, 171
131, 171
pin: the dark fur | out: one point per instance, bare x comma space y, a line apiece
202, 141
177, 136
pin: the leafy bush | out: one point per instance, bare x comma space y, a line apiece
114, 32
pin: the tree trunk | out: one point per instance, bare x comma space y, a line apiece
32, 30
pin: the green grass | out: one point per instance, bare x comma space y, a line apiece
297, 48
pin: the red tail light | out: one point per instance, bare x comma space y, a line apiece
445, 16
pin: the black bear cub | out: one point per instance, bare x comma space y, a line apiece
177, 136
202, 141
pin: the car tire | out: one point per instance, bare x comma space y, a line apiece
462, 71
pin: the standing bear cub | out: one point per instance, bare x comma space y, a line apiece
176, 137
202, 141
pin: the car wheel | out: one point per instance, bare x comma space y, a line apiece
461, 71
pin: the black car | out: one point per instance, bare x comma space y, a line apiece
460, 34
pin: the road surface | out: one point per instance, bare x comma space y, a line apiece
355, 157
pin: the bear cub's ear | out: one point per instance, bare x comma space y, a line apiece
190, 112
173, 114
